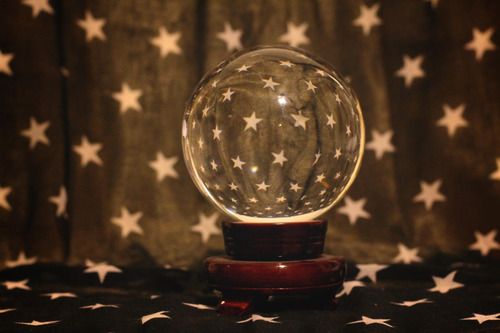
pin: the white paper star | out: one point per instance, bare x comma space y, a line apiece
38, 323
381, 143
295, 187
4, 192
256, 317
214, 165
370, 321
252, 121
481, 318
92, 26
295, 35
407, 255
310, 86
38, 6
368, 18
216, 131
199, 306
495, 175
10, 285
429, 193
348, 286
338, 153
237, 163
443, 285
54, 296
230, 36
5, 59
411, 69
481, 42
36, 132
330, 121
167, 42
99, 306
243, 68
369, 270
485, 242
227, 95
128, 98
128, 223
156, 315
262, 186
300, 120
207, 226
21, 260
320, 178
233, 186
61, 201
88, 152
286, 63
269, 83
102, 269
354, 209
279, 158
453, 119
164, 166
409, 304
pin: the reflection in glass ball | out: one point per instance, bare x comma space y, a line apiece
273, 135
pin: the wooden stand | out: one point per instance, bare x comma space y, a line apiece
281, 261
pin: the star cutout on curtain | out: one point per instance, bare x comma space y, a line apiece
92, 27
485, 242
320, 178
237, 163
381, 143
310, 86
286, 63
38, 323
156, 315
295, 187
214, 165
22, 284
330, 120
368, 18
36, 132
230, 36
429, 194
7, 310
21, 260
102, 269
443, 285
88, 152
348, 286
251, 122
207, 226
4, 192
167, 42
269, 83
295, 35
369, 270
279, 158
128, 98
233, 187
38, 6
243, 68
300, 120
262, 186
495, 175
199, 306
407, 255
354, 209
227, 95
99, 306
61, 201
256, 317
411, 69
481, 42
216, 131
128, 222
481, 318
370, 321
409, 304
453, 119
5, 59
54, 296
164, 166
338, 153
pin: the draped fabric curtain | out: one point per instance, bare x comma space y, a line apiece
91, 101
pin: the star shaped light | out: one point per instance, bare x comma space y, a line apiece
368, 18
354, 209
369, 270
407, 255
481, 318
92, 26
237, 163
4, 192
411, 69
443, 285
207, 226
300, 120
453, 119
495, 175
256, 317
243, 68
99, 306
88, 152
21, 260
262, 186
370, 321
485, 242
156, 315
348, 286
269, 83
38, 323
295, 35
295, 187
310, 86
429, 194
409, 304
230, 36
102, 269
128, 223
61, 201
481, 42
252, 121
167, 42
381, 143
279, 158
36, 132
22, 284
54, 296
5, 59
330, 121
128, 98
164, 166
227, 95
216, 131
38, 6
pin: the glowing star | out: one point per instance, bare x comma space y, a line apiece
443, 285
36, 132
167, 42
38, 323
243, 68
368, 18
411, 69
300, 120
88, 152
227, 95
453, 119
330, 121
22, 284
54, 296
295, 187
231, 37
354, 209
485, 242
320, 178
409, 304
214, 165
99, 306
164, 166
381, 143
199, 306
269, 83
216, 131
280, 199
156, 315
370, 321
338, 153
128, 98
407, 255
252, 121
481, 318
429, 194
61, 201
4, 192
92, 26
207, 226
295, 35
38, 6
311, 86
237, 163
495, 175
21, 260
128, 223
370, 271
5, 59
262, 186
279, 158
256, 317
481, 42
348, 286
233, 186
102, 269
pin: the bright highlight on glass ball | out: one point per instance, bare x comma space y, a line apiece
273, 135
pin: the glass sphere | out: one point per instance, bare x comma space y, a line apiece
273, 135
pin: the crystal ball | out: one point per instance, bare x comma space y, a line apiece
273, 134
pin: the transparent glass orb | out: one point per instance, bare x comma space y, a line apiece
273, 135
